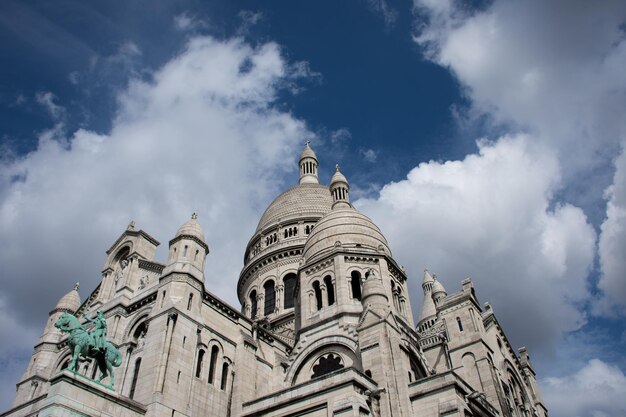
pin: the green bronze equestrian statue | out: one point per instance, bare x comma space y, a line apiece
92, 344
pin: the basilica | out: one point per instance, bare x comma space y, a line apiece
325, 328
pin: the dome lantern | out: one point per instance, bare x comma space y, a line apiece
339, 189
308, 165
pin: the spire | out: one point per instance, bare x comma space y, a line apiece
427, 282
339, 189
374, 292
429, 311
308, 165
438, 291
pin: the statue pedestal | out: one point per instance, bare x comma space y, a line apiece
73, 395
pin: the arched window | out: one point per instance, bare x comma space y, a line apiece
458, 321
306, 229
290, 285
214, 352
417, 370
133, 385
318, 294
253, 306
355, 284
195, 257
185, 251
327, 364
330, 289
199, 364
270, 297
189, 301
286, 233
224, 376
394, 295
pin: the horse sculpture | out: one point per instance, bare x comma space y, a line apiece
82, 343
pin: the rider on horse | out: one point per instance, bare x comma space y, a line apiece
99, 333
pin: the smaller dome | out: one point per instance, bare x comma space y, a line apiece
428, 279
338, 176
69, 302
438, 287
345, 227
191, 228
308, 152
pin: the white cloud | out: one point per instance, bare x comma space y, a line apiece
382, 8
369, 155
555, 70
74, 77
489, 217
249, 19
202, 135
612, 244
47, 100
187, 22
598, 389
340, 135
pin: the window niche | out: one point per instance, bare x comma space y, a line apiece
355, 285
253, 305
318, 294
270, 298
330, 289
290, 285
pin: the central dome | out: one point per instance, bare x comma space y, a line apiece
298, 202
347, 227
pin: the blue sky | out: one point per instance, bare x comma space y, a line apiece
485, 139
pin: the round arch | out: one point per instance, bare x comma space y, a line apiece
318, 345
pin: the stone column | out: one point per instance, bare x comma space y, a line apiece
312, 304
260, 304
280, 291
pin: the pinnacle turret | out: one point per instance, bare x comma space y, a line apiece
308, 165
339, 189
188, 249
429, 311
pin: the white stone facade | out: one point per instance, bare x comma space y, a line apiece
325, 329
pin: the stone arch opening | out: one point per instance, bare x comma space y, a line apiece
355, 285
270, 297
289, 282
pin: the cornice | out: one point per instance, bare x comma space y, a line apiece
133, 233
190, 237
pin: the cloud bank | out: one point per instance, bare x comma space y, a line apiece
202, 134
489, 217
517, 216
598, 390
